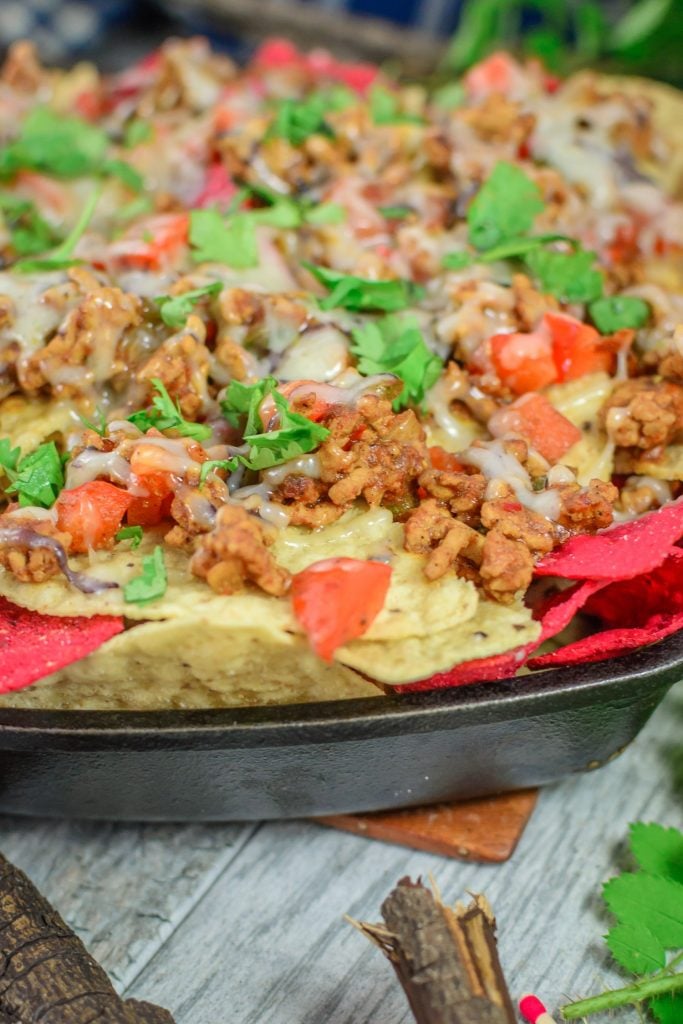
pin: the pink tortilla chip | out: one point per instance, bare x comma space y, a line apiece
611, 642
621, 552
33, 645
640, 611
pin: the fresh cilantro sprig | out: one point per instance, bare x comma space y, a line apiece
647, 939
571, 276
215, 239
295, 434
54, 144
296, 120
358, 293
29, 232
395, 345
62, 256
38, 478
152, 582
385, 108
616, 311
131, 533
165, 414
175, 309
505, 206
136, 131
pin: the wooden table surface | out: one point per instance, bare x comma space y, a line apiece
242, 923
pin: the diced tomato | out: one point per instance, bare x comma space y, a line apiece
443, 460
524, 362
89, 105
576, 347
277, 53
168, 234
338, 599
497, 74
150, 470
624, 247
315, 413
92, 514
218, 187
538, 422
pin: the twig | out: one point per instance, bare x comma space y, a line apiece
445, 959
46, 973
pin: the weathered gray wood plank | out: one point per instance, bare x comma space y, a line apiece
123, 888
266, 943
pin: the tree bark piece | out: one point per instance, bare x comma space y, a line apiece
46, 973
481, 830
446, 959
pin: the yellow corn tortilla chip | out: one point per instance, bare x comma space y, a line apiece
592, 457
495, 628
30, 421
668, 467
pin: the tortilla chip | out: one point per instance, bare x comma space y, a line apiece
30, 421
669, 465
619, 553
218, 664
31, 644
493, 629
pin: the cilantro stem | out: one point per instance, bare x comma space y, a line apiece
64, 250
632, 995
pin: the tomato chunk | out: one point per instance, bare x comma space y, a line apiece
92, 514
524, 361
443, 460
538, 422
496, 74
338, 599
576, 347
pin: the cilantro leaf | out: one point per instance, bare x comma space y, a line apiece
165, 415
395, 345
100, 427
175, 309
152, 582
295, 436
449, 96
39, 477
645, 901
385, 108
570, 276
505, 206
616, 311
296, 120
514, 248
30, 233
243, 400
658, 850
126, 173
286, 212
52, 143
324, 213
635, 948
207, 467
8, 456
216, 240
357, 293
457, 260
135, 132
398, 211
62, 256
131, 533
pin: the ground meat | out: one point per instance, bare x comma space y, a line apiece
22, 69
88, 338
506, 568
236, 552
644, 413
448, 542
587, 509
305, 502
32, 565
530, 304
498, 119
671, 366
462, 493
182, 365
6, 311
372, 452
511, 519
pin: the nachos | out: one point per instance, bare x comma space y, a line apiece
315, 383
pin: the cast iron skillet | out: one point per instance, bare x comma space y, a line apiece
331, 757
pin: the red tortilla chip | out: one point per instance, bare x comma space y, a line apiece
611, 642
639, 612
33, 645
619, 553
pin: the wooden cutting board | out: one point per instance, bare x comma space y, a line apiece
481, 830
